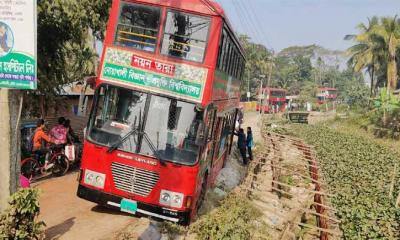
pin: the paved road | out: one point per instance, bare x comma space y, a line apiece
69, 217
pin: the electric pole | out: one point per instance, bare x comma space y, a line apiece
10, 145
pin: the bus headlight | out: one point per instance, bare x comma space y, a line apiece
165, 197
94, 179
172, 199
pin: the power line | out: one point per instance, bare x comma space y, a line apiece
262, 29
250, 19
247, 21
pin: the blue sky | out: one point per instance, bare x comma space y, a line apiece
282, 23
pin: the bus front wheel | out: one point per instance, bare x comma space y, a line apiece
202, 195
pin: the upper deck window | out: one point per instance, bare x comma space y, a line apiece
138, 26
185, 36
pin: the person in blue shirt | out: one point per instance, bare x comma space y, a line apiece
249, 143
242, 144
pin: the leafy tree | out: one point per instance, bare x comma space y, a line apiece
66, 31
376, 50
258, 57
389, 33
365, 53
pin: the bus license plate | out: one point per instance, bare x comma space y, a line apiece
128, 206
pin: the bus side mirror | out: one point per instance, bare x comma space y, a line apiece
202, 133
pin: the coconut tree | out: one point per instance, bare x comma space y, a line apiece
368, 50
388, 32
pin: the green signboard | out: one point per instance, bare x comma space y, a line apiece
18, 44
178, 80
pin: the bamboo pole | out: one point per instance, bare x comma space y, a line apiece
298, 174
310, 191
393, 181
322, 215
330, 231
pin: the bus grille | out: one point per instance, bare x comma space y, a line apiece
133, 180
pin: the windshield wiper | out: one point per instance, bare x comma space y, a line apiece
146, 137
152, 147
120, 141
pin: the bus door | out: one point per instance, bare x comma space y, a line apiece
208, 149
218, 149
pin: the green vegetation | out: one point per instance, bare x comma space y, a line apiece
301, 70
19, 221
236, 218
67, 30
360, 173
376, 50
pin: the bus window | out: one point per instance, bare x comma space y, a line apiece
117, 112
138, 27
185, 36
172, 126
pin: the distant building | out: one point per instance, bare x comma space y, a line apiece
76, 98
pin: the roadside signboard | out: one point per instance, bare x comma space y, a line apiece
18, 66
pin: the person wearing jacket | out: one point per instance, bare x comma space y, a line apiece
249, 143
242, 144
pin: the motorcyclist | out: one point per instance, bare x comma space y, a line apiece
40, 138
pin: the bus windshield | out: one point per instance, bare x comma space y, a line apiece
170, 125
185, 36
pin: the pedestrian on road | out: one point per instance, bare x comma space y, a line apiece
249, 143
242, 144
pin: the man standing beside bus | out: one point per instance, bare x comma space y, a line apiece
242, 144
249, 143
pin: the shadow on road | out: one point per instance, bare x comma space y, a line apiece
59, 230
105, 210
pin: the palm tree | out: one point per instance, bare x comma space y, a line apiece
388, 32
368, 50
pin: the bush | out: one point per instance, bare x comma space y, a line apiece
236, 218
19, 221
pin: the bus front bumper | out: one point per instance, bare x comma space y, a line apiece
113, 202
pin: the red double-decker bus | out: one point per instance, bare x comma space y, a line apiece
164, 111
326, 94
274, 100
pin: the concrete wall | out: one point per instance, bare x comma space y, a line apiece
9, 145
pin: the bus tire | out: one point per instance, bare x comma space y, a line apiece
202, 195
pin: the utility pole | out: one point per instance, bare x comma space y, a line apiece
261, 94
270, 65
9, 147
248, 87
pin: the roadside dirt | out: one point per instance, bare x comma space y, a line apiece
253, 120
69, 217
